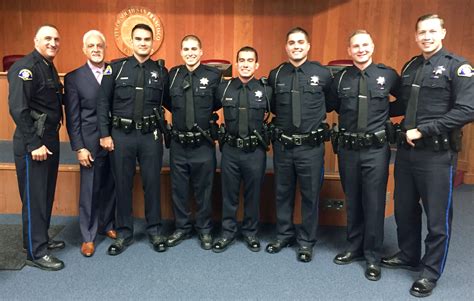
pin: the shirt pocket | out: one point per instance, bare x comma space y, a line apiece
153, 92
124, 89
177, 98
283, 94
230, 109
379, 99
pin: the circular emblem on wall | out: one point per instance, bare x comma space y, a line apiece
130, 17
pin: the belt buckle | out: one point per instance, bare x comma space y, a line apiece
138, 125
298, 140
239, 143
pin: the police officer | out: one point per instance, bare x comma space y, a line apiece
360, 94
35, 93
192, 153
132, 91
437, 94
245, 101
298, 103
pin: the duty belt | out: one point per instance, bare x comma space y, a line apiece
247, 144
314, 138
191, 139
442, 142
357, 141
147, 125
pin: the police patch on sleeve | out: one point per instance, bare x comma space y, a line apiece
465, 70
25, 74
108, 70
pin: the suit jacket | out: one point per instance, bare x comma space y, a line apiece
80, 101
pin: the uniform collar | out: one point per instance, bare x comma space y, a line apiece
369, 71
251, 84
305, 67
40, 58
133, 60
435, 57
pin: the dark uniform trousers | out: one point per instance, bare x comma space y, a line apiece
127, 148
364, 176
192, 167
425, 174
306, 164
97, 197
249, 167
36, 182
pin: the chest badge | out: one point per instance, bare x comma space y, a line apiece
439, 70
204, 81
380, 80
259, 95
154, 75
314, 80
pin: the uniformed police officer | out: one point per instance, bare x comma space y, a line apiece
298, 103
360, 94
192, 153
35, 93
437, 94
132, 92
245, 101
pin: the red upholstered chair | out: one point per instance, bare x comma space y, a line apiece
337, 65
9, 60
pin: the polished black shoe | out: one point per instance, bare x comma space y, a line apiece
56, 244
47, 263
253, 243
304, 254
158, 242
348, 257
277, 245
396, 262
423, 287
373, 272
177, 237
221, 244
119, 245
206, 241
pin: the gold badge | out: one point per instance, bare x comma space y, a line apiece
130, 17
25, 74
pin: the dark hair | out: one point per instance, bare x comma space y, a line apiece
296, 30
191, 37
45, 25
427, 17
249, 49
144, 27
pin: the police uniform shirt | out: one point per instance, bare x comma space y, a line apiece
446, 96
117, 94
314, 84
34, 85
258, 99
205, 80
344, 97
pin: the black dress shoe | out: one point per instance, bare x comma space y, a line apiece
47, 262
56, 244
177, 237
119, 245
373, 272
221, 244
348, 257
423, 287
206, 241
253, 243
158, 242
304, 253
396, 262
275, 246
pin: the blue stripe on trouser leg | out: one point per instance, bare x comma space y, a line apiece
30, 249
448, 208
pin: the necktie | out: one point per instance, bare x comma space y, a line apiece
410, 115
188, 86
138, 109
98, 76
363, 104
243, 112
296, 100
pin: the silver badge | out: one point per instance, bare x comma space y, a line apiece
380, 80
204, 81
259, 95
154, 74
314, 80
439, 70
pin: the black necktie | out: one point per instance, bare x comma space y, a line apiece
188, 86
243, 112
139, 89
296, 100
410, 115
363, 104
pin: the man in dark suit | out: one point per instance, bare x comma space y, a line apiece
97, 195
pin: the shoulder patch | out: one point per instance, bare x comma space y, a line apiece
465, 70
25, 74
108, 70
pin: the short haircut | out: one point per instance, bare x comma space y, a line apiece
427, 17
91, 33
191, 37
359, 31
45, 25
297, 30
247, 49
144, 27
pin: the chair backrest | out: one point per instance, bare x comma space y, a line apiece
9, 60
340, 63
224, 65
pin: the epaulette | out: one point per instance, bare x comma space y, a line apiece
382, 66
458, 58
316, 63
118, 61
